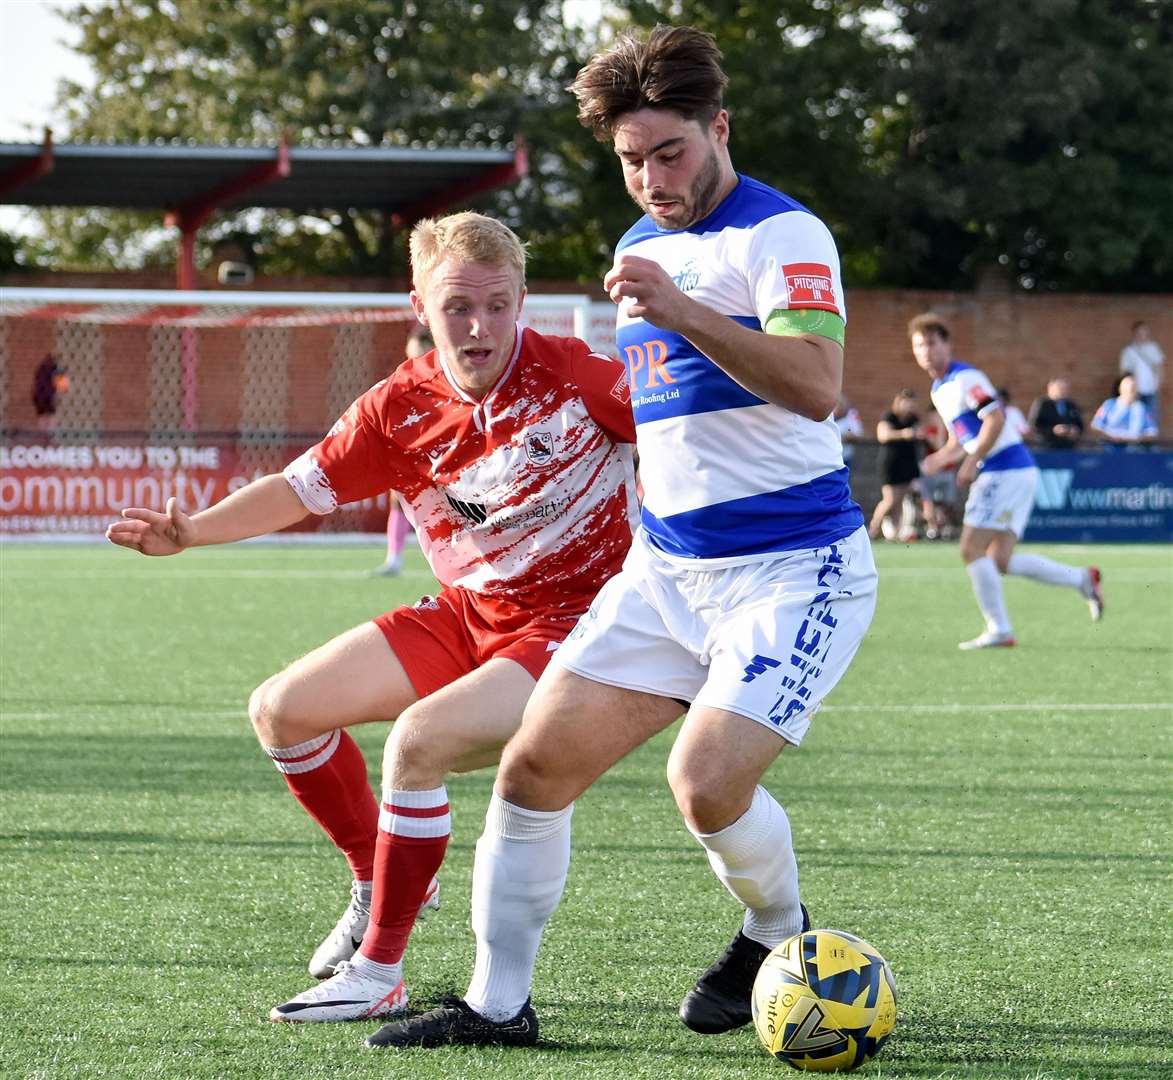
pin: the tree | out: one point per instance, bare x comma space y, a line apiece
370, 72
939, 141
1032, 137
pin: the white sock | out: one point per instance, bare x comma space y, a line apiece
517, 881
1049, 572
987, 587
754, 858
391, 974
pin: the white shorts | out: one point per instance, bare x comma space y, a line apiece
1001, 500
767, 640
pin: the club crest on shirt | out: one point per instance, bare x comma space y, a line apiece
539, 447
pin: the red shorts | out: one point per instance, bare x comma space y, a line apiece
444, 637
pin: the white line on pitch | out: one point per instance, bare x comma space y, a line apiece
179, 572
1003, 706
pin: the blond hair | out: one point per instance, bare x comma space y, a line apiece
467, 236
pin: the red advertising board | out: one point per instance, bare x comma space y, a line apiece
81, 488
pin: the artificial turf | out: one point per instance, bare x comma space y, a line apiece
998, 824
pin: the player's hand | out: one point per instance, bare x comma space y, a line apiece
653, 294
967, 472
152, 533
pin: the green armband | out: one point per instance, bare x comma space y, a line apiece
793, 322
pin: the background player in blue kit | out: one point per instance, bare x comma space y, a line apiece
751, 581
1001, 476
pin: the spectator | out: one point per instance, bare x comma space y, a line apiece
1125, 420
1014, 418
850, 426
419, 341
938, 493
1055, 419
49, 381
1142, 359
898, 433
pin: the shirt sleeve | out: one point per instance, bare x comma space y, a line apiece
354, 461
602, 381
980, 395
793, 265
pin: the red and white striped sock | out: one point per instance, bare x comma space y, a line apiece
328, 776
413, 835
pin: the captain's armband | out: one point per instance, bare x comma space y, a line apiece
794, 322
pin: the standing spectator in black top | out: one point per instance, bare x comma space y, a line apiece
899, 435
1055, 418
49, 381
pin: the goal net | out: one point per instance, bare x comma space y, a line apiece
111, 398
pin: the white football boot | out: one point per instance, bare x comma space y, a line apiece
343, 941
349, 994
988, 640
1093, 593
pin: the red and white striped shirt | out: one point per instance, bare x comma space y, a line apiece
527, 495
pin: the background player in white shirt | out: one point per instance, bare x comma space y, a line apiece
1001, 476
1143, 359
750, 582
512, 453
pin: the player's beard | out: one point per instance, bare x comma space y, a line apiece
695, 205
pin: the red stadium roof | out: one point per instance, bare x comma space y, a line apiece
190, 182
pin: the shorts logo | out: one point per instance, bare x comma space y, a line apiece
809, 285
757, 666
539, 447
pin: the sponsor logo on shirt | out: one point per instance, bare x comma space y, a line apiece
689, 277
648, 358
809, 285
621, 391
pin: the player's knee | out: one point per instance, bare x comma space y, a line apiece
701, 796
410, 758
529, 777
271, 713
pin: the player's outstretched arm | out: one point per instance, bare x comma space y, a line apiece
264, 506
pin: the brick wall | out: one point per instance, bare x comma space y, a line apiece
1018, 339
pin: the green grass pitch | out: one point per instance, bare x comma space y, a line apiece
998, 824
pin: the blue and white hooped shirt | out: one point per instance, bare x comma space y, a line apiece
1123, 420
965, 397
728, 477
